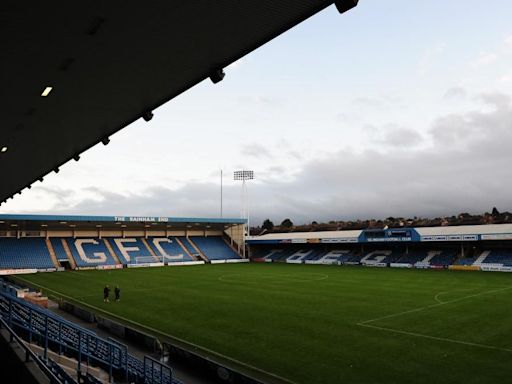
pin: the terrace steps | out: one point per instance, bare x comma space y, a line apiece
185, 249
149, 248
65, 245
232, 246
480, 259
111, 251
69, 364
199, 252
53, 256
429, 257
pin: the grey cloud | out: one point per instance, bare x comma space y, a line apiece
482, 132
295, 154
455, 93
497, 99
399, 137
256, 150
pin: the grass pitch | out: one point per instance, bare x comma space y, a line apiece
320, 324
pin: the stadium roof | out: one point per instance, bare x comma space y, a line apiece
466, 230
446, 233
76, 72
61, 222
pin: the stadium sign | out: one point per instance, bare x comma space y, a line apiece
500, 236
495, 268
400, 265
388, 239
138, 219
450, 238
4, 272
341, 240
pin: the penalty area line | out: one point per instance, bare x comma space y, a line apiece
437, 338
439, 304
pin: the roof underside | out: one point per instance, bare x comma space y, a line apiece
109, 63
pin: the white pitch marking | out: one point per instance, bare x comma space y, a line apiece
434, 305
436, 338
436, 297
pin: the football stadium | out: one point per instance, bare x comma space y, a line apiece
198, 300
297, 307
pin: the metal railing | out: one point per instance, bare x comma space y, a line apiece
53, 332
29, 354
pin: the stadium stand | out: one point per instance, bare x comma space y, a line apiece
168, 247
58, 248
353, 259
128, 249
215, 248
413, 257
280, 254
24, 253
381, 256
443, 258
89, 252
303, 255
186, 243
341, 255
499, 257
314, 255
335, 256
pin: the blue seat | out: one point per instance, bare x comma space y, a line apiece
215, 248
24, 253
133, 248
170, 247
88, 252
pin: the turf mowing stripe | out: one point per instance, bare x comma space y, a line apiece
436, 338
433, 305
163, 333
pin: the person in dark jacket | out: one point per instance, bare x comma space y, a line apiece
106, 293
117, 292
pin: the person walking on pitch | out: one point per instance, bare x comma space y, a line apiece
106, 293
117, 292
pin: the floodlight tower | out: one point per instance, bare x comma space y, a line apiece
244, 176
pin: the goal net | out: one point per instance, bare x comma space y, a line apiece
157, 259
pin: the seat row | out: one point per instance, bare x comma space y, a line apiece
345, 256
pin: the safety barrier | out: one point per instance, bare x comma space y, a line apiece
29, 354
52, 332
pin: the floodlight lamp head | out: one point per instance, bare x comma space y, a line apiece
243, 175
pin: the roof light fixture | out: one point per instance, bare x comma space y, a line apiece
3, 149
46, 91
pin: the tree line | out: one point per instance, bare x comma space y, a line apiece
287, 225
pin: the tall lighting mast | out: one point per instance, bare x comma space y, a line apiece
244, 176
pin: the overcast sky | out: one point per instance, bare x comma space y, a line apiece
396, 108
